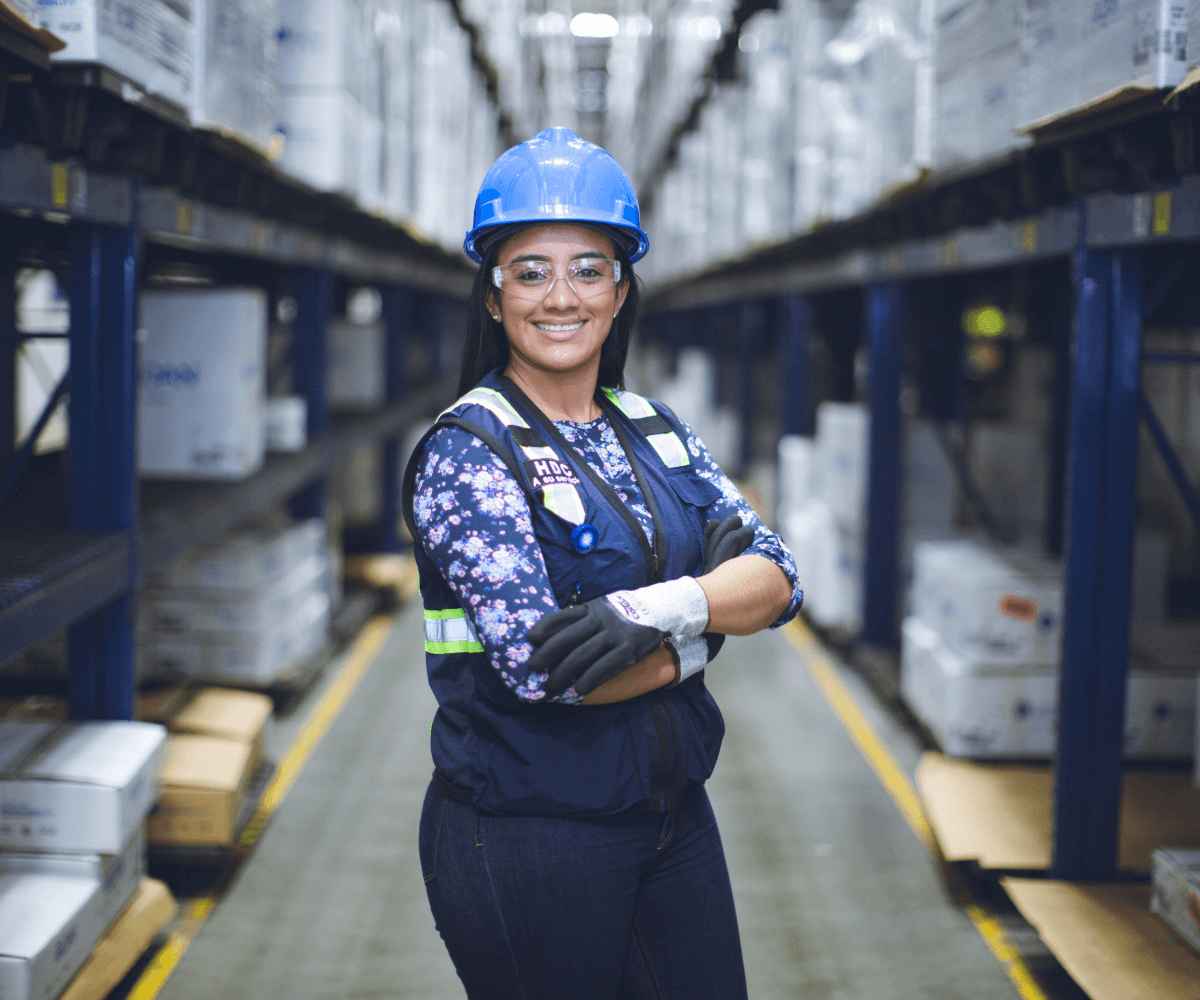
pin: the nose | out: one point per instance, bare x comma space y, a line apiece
561, 295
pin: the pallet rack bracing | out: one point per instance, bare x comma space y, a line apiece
78, 533
1106, 260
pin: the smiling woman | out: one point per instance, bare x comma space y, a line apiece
581, 556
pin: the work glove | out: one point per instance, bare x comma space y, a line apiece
723, 540
586, 645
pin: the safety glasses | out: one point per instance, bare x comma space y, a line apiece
531, 280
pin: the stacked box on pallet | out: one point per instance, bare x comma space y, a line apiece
242, 612
234, 53
1077, 52
322, 72
72, 850
201, 394
980, 659
1176, 894
147, 41
976, 89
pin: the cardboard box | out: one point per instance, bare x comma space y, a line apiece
204, 781
147, 41
48, 926
77, 787
287, 423
151, 911
118, 874
241, 716
201, 396
1176, 895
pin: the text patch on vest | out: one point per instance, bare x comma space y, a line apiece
543, 472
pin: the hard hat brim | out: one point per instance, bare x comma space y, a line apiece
633, 240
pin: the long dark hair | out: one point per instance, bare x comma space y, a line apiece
486, 346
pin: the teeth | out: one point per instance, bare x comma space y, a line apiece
558, 327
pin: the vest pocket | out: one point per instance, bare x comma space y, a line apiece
694, 490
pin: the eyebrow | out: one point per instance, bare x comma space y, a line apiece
547, 260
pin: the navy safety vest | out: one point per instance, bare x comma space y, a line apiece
511, 757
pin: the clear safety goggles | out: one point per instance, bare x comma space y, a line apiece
532, 279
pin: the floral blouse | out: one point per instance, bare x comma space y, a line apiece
474, 520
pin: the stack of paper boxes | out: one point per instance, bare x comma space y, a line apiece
829, 526
214, 749
977, 82
150, 42
234, 53
72, 847
981, 650
1077, 52
202, 385
1176, 895
323, 75
242, 612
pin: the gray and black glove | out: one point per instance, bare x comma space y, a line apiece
723, 540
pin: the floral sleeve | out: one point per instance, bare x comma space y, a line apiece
766, 542
474, 522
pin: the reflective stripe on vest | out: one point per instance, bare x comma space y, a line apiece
450, 631
561, 499
637, 408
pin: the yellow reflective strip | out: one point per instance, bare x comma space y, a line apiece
563, 499
444, 614
630, 403
670, 449
444, 648
490, 400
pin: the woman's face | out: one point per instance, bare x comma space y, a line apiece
561, 331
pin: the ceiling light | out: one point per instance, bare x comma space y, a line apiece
589, 25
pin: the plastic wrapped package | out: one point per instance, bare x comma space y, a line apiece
1074, 52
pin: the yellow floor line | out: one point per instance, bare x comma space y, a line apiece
358, 661
897, 784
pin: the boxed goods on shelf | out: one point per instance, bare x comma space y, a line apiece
48, 927
117, 874
234, 50
204, 780
240, 716
976, 82
201, 397
321, 132
356, 369
1176, 896
247, 559
997, 709
287, 423
76, 787
149, 42
1078, 52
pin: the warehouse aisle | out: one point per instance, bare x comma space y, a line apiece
836, 897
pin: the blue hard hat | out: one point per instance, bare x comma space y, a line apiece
557, 177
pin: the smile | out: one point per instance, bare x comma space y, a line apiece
558, 327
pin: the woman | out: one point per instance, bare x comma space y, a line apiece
579, 559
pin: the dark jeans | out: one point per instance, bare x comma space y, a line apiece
629, 907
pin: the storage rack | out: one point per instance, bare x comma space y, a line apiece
105, 185
1100, 217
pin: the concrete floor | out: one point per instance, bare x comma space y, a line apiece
836, 897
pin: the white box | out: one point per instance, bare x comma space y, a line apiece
248, 559
321, 132
219, 608
1160, 714
85, 787
247, 656
287, 423
321, 44
356, 364
49, 924
118, 874
797, 472
202, 400
1176, 896
147, 41
1074, 52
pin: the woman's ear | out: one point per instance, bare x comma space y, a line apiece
622, 294
492, 305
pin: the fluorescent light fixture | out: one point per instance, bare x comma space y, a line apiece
590, 25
